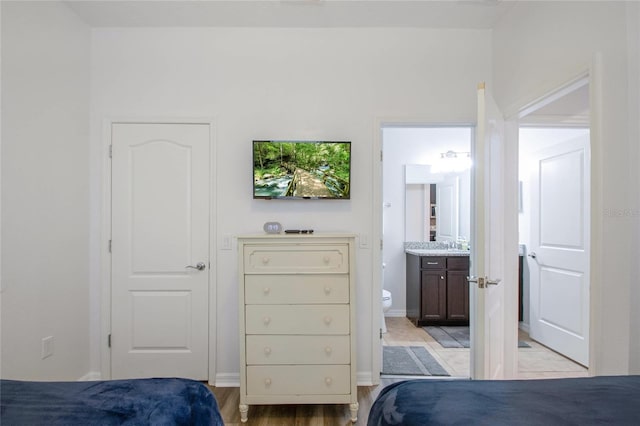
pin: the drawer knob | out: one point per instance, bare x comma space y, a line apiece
266, 290
267, 382
266, 320
327, 290
328, 350
326, 259
267, 350
265, 260
328, 381
327, 320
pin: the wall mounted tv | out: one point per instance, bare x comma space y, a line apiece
302, 170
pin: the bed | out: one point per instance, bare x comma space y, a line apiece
169, 401
573, 401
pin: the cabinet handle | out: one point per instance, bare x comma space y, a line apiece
265, 260
328, 381
328, 350
267, 382
326, 259
327, 320
442, 277
432, 263
267, 350
327, 290
267, 290
266, 320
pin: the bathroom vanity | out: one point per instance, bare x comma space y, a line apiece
437, 287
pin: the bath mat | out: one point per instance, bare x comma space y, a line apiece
410, 361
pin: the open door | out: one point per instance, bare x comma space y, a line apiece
489, 351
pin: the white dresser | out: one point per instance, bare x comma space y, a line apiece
297, 320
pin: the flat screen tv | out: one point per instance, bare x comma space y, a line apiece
302, 170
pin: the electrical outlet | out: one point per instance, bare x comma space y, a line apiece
47, 347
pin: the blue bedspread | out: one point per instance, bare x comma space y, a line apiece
112, 402
579, 401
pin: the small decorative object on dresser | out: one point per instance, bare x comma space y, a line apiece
297, 320
272, 227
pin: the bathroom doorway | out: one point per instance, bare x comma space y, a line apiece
426, 204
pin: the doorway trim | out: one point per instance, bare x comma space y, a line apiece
105, 237
591, 75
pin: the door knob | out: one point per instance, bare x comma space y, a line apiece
199, 266
532, 255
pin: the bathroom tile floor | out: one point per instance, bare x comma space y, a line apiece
536, 362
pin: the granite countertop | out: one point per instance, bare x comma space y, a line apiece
437, 252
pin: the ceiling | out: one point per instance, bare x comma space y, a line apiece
477, 14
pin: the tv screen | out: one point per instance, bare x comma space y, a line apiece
302, 169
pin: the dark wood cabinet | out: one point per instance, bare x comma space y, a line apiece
437, 289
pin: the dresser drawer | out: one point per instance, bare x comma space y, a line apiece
296, 259
297, 319
285, 289
298, 380
265, 349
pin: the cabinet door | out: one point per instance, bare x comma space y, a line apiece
434, 295
457, 296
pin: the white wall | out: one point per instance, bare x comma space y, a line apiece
633, 22
291, 84
538, 46
45, 199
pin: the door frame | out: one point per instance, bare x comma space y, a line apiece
592, 74
377, 199
105, 237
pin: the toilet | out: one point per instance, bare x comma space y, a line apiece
386, 305
386, 300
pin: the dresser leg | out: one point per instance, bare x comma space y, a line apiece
244, 411
354, 411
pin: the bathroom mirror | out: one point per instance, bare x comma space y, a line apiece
437, 205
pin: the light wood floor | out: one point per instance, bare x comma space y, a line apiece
296, 415
534, 362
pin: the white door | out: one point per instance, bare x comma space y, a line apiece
447, 196
559, 253
488, 349
160, 250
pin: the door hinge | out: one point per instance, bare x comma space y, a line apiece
109, 246
109, 340
380, 334
380, 155
110, 151
381, 243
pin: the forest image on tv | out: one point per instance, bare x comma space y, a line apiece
301, 169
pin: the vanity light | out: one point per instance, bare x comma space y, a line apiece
452, 161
